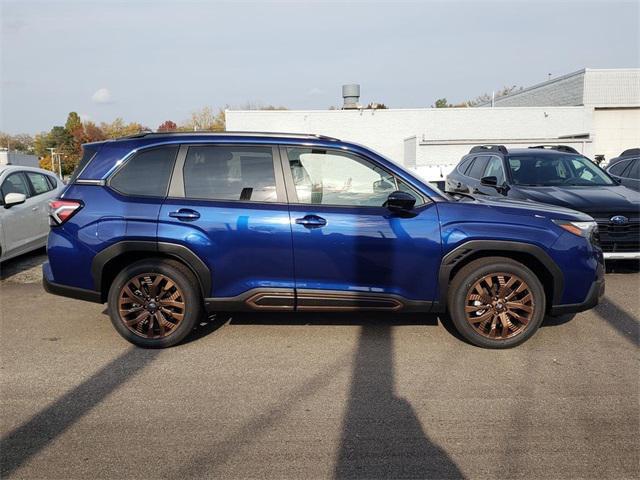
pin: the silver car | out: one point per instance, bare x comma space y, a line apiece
24, 196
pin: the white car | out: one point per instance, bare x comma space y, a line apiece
24, 196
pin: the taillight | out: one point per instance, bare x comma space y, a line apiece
62, 210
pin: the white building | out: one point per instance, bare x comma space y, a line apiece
595, 111
17, 158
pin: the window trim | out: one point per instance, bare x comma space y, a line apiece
132, 155
176, 185
292, 193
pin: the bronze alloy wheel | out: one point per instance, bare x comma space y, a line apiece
499, 306
151, 305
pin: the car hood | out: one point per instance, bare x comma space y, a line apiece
614, 198
530, 207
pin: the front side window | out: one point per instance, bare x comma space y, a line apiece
14, 183
553, 170
494, 169
326, 177
147, 173
230, 173
39, 183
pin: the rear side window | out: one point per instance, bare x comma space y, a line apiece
462, 168
147, 173
87, 155
634, 171
619, 167
39, 182
477, 168
230, 173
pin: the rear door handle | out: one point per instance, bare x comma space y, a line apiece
311, 221
185, 214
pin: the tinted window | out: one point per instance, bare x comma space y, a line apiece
230, 173
634, 171
38, 182
14, 183
462, 168
326, 177
619, 167
87, 154
494, 169
551, 170
147, 173
477, 169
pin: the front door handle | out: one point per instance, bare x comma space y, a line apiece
311, 221
185, 214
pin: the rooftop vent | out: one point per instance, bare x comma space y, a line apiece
351, 96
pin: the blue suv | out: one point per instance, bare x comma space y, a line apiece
167, 226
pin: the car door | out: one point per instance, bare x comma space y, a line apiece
40, 186
17, 221
349, 250
227, 204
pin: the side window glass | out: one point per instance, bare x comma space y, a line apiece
477, 169
14, 183
325, 177
230, 173
147, 173
619, 167
494, 169
38, 182
464, 165
634, 171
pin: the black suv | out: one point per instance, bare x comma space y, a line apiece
557, 175
626, 168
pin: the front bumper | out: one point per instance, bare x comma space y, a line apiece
595, 294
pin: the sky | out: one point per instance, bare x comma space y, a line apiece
154, 61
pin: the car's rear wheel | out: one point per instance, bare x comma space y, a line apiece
154, 303
496, 302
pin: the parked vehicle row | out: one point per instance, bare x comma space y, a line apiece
558, 175
164, 226
24, 196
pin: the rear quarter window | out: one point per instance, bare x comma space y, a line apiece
147, 173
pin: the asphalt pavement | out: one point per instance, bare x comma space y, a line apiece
314, 395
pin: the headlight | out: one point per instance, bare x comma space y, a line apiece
582, 229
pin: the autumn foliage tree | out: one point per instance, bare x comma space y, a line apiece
168, 126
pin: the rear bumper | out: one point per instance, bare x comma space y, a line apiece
595, 294
622, 255
67, 291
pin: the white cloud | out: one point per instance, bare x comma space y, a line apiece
102, 95
315, 91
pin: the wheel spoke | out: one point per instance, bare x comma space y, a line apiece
519, 306
151, 318
480, 318
475, 308
138, 319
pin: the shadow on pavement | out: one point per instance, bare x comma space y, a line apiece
381, 434
19, 445
22, 263
625, 323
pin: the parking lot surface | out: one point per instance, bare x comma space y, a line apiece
314, 396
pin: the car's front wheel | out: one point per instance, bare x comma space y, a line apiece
154, 303
496, 302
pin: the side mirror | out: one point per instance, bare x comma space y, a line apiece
489, 181
400, 202
12, 199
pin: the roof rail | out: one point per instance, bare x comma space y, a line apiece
559, 148
228, 134
489, 148
630, 151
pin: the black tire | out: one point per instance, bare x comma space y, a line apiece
462, 290
185, 290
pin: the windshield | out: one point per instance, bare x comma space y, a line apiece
550, 170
